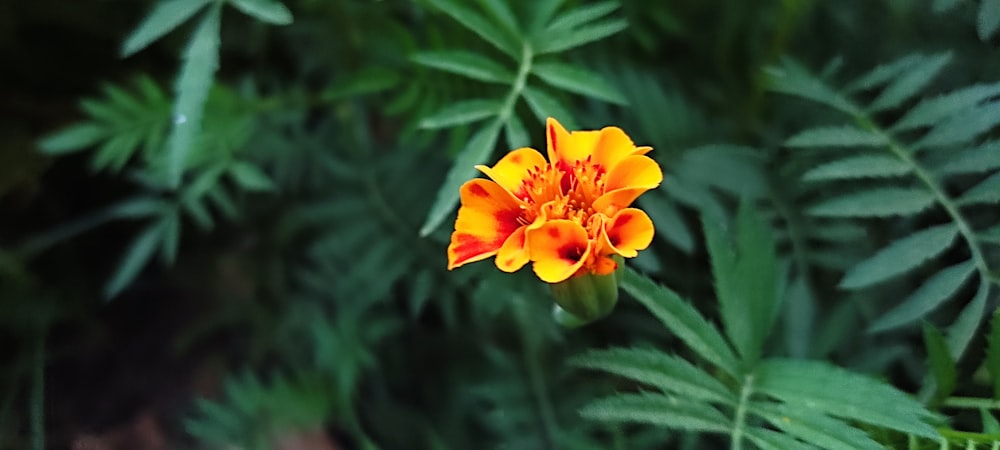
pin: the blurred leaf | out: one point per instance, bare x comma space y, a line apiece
73, 139
500, 11
861, 166
988, 19
792, 79
544, 106
836, 136
250, 178
171, 224
461, 113
581, 15
932, 110
815, 428
987, 191
269, 11
961, 331
877, 202
942, 366
962, 127
883, 73
931, 294
945, 5
668, 221
138, 254
992, 362
979, 159
911, 82
517, 135
166, 16
774, 440
476, 23
806, 385
477, 151
663, 410
681, 319
465, 63
201, 59
577, 80
562, 40
363, 82
900, 257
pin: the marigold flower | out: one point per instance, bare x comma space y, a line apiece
568, 215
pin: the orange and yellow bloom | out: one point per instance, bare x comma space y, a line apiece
568, 216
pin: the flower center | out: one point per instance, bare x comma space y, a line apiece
563, 191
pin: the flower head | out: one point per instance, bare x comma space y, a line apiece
568, 215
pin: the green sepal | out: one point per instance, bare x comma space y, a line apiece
585, 298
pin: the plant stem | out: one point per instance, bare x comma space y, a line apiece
527, 57
736, 437
37, 400
971, 403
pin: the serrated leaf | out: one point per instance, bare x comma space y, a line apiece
666, 372
883, 73
836, 136
774, 440
544, 106
931, 294
166, 16
576, 37
517, 135
269, 11
932, 110
461, 113
878, 202
668, 221
477, 151
745, 273
249, 177
201, 60
662, 410
815, 428
793, 79
478, 24
73, 139
983, 158
942, 365
962, 330
807, 385
681, 319
468, 64
861, 166
992, 362
911, 82
987, 191
963, 127
577, 80
988, 19
900, 257
135, 258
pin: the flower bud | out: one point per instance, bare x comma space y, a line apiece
584, 298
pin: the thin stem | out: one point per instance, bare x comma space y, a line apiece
527, 57
736, 437
971, 403
36, 404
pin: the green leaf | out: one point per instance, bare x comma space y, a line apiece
171, 224
941, 6
166, 16
983, 158
941, 363
468, 64
911, 82
250, 178
808, 385
577, 80
461, 113
988, 19
477, 151
666, 372
992, 362
544, 106
815, 428
861, 166
963, 127
933, 110
201, 59
500, 11
773, 440
581, 15
366, 81
562, 40
135, 258
73, 139
931, 294
961, 331
668, 221
269, 11
900, 257
987, 191
541, 14
661, 410
877, 202
746, 277
883, 73
681, 319
476, 23
517, 135
793, 79
836, 136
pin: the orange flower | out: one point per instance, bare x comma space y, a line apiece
568, 215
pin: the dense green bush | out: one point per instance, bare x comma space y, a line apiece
231, 217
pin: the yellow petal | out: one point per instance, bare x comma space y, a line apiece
488, 216
627, 181
613, 146
559, 248
514, 168
513, 255
629, 231
566, 147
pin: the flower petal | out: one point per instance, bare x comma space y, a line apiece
627, 181
629, 231
513, 254
488, 216
613, 146
559, 248
568, 148
514, 168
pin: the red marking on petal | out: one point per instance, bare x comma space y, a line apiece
622, 219
571, 252
467, 246
554, 232
515, 158
478, 191
615, 239
508, 221
552, 136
